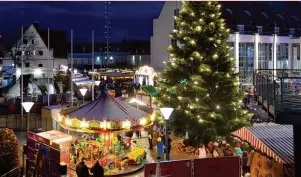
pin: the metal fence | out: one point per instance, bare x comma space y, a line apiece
280, 89
16, 172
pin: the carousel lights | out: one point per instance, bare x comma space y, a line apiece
84, 124
142, 121
67, 121
59, 118
152, 118
126, 124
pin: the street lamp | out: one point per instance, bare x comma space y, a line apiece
97, 83
83, 91
27, 106
166, 112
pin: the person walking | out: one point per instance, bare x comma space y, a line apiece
82, 169
160, 149
97, 170
202, 151
150, 140
244, 163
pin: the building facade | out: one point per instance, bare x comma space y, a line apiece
271, 42
39, 61
124, 53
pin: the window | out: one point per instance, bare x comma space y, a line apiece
40, 65
27, 65
89, 61
25, 41
292, 31
111, 59
241, 28
32, 41
259, 29
82, 61
41, 53
276, 30
75, 61
133, 60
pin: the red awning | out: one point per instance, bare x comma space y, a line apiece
276, 141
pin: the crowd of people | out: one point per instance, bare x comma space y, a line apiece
83, 171
222, 149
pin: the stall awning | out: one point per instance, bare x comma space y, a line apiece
274, 140
150, 90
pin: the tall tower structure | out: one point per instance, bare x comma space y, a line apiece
108, 26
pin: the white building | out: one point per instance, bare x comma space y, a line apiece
36, 53
267, 43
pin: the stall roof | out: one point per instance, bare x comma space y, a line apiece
54, 107
150, 90
274, 140
107, 107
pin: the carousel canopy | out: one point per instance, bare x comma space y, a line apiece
274, 140
107, 107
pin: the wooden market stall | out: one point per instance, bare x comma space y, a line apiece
274, 155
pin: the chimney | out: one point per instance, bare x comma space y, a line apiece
36, 24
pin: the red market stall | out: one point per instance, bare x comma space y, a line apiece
46, 152
274, 148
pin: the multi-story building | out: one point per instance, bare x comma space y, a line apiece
39, 59
263, 36
129, 53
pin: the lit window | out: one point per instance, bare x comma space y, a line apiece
111, 59
133, 60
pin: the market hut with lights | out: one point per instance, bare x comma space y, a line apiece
103, 124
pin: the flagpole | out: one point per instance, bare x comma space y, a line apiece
93, 65
71, 67
22, 40
48, 73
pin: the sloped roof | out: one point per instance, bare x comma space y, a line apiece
107, 107
274, 140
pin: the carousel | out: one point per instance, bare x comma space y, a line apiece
100, 134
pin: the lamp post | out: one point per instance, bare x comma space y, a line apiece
97, 83
27, 106
83, 91
166, 112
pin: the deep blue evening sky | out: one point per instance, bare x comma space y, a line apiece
130, 20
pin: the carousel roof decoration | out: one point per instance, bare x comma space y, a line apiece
105, 113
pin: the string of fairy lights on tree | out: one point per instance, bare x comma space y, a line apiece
200, 79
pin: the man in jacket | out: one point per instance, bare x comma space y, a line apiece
82, 169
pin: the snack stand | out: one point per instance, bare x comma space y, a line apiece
101, 124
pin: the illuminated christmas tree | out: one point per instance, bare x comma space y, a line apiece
200, 79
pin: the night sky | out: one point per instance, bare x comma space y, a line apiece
130, 20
